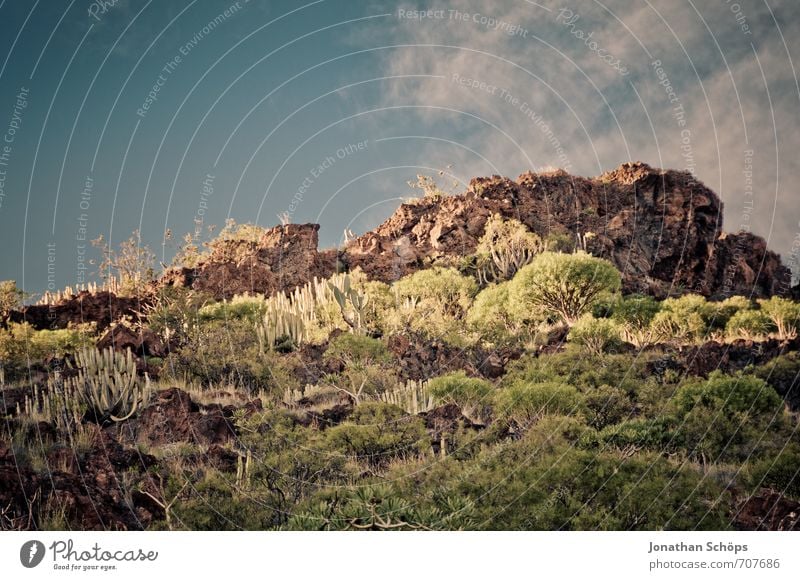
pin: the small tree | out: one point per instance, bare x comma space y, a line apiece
595, 335
684, 319
566, 285
491, 316
445, 290
784, 314
634, 314
505, 247
10, 297
132, 264
748, 324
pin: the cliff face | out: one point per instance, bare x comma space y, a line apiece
662, 229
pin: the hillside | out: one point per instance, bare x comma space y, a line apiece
548, 353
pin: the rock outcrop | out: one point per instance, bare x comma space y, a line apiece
662, 229
285, 257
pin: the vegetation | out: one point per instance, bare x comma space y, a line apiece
522, 392
563, 285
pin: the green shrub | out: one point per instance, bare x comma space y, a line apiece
22, 347
654, 434
348, 349
635, 314
748, 324
443, 290
606, 406
684, 319
522, 404
240, 307
595, 335
471, 395
378, 433
727, 418
784, 314
380, 508
506, 246
226, 352
780, 472
723, 311
491, 315
565, 285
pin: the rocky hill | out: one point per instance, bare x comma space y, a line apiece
661, 228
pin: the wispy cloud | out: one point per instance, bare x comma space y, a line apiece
729, 71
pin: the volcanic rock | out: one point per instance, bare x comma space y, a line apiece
662, 229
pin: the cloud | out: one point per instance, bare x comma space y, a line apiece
493, 91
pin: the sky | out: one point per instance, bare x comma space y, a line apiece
148, 115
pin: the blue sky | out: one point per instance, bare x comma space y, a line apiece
326, 109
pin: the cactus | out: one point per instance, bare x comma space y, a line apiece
284, 317
344, 294
108, 385
412, 397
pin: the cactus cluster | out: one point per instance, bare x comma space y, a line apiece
111, 285
285, 316
294, 315
58, 403
108, 385
351, 303
413, 397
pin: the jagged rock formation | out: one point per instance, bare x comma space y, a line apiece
285, 257
662, 229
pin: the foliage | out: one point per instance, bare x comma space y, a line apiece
724, 416
607, 405
378, 508
595, 335
491, 315
108, 385
560, 242
22, 347
723, 311
241, 306
506, 246
236, 232
565, 285
684, 319
640, 434
433, 302
523, 403
364, 363
225, 352
748, 324
784, 314
10, 297
471, 395
780, 472
438, 289
133, 264
635, 314
173, 313
378, 433
429, 186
